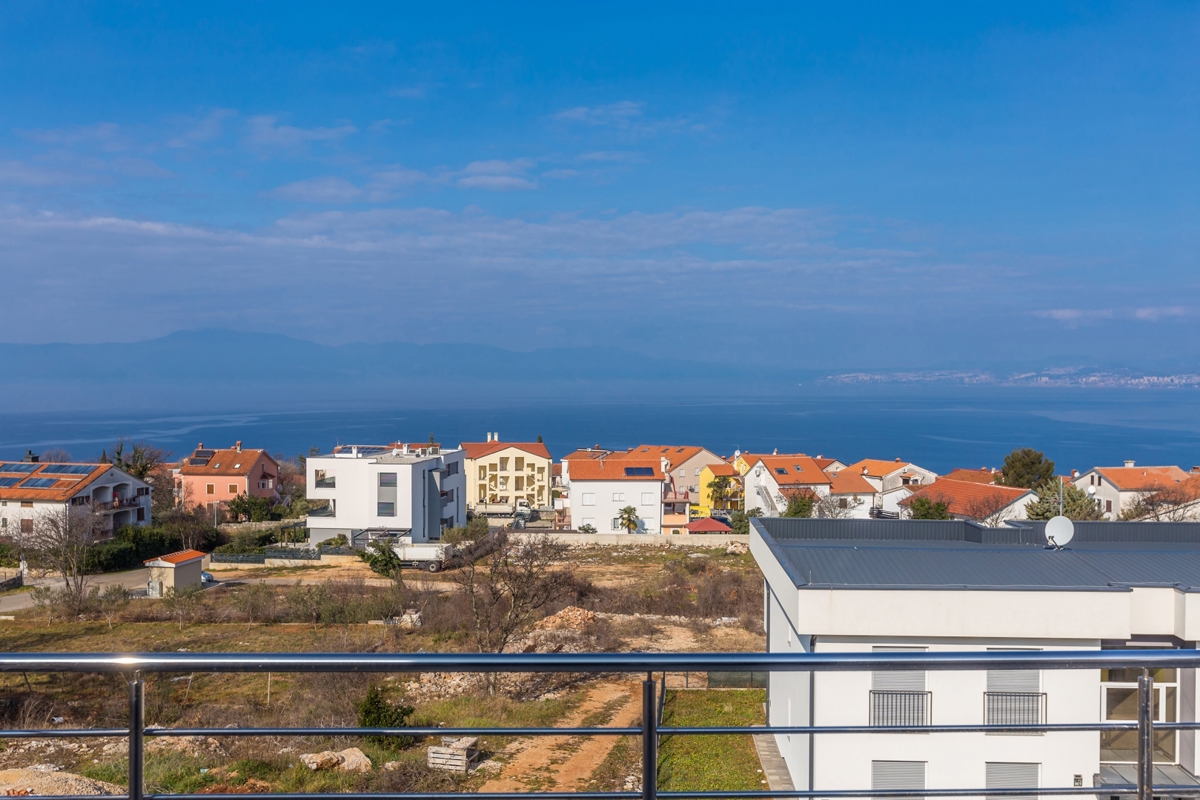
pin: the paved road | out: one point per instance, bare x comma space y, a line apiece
133, 579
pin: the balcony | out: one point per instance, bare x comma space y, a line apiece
1143, 779
896, 708
1014, 708
325, 483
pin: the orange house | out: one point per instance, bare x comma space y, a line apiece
217, 476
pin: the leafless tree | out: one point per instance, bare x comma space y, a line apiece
835, 507
986, 510
55, 455
508, 585
1170, 504
59, 542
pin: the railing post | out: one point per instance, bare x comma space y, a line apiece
649, 739
137, 721
1145, 771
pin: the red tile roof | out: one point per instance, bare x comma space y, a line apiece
615, 469
1140, 479
722, 470
707, 525
981, 475
965, 498
226, 461
877, 467
850, 482
794, 470
177, 558
475, 450
65, 486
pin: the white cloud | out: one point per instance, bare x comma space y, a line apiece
561, 174
616, 115
209, 127
1074, 314
20, 173
319, 190
106, 135
264, 132
1156, 313
498, 183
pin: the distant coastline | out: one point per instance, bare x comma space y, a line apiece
1059, 378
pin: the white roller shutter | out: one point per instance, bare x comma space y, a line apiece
1011, 775
893, 681
1013, 680
893, 775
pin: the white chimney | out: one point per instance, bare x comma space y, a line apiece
496, 436
1129, 463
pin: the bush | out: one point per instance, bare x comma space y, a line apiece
247, 542
376, 712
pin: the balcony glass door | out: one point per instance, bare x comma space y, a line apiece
1119, 699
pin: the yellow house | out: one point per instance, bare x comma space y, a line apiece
732, 499
507, 472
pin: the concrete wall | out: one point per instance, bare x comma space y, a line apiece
649, 540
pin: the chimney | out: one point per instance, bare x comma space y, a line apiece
1196, 470
775, 452
496, 436
897, 460
1074, 473
665, 464
30, 458
864, 470
489, 436
238, 445
199, 445
1129, 463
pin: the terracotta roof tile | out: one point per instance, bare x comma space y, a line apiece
966, 497
795, 470
877, 467
616, 469
849, 482
981, 475
722, 470
224, 461
1140, 479
176, 558
475, 450
708, 525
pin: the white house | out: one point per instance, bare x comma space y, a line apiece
770, 480
602, 487
386, 491
861, 586
987, 503
30, 488
1118, 489
888, 475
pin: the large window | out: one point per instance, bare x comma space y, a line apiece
647, 498
897, 775
1012, 775
1014, 697
1119, 701
387, 509
387, 479
898, 697
589, 499
618, 497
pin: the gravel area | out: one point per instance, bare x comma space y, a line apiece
35, 782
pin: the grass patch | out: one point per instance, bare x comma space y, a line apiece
711, 763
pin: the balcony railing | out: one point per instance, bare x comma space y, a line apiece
892, 708
1014, 708
326, 483
135, 666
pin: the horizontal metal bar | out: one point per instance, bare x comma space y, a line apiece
65, 733
595, 662
1056, 727
427, 731
913, 794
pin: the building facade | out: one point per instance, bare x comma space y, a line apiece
771, 480
386, 491
29, 489
210, 477
601, 488
858, 586
1119, 489
506, 472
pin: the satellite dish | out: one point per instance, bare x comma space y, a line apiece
1091, 491
1059, 531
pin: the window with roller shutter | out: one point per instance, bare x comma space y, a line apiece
897, 775
1010, 775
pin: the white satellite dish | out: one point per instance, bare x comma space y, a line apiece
1059, 531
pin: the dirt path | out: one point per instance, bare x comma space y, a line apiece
566, 763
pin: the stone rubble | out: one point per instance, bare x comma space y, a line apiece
349, 760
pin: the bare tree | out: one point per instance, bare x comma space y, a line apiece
139, 459
59, 542
988, 509
55, 455
510, 584
1170, 504
835, 507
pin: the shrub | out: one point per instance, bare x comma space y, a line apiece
376, 712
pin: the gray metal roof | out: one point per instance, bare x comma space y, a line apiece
918, 554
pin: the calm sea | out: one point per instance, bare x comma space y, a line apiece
939, 428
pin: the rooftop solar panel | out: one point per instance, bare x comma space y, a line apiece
67, 469
637, 472
20, 466
198, 462
40, 483
7, 482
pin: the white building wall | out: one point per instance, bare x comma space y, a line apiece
645, 496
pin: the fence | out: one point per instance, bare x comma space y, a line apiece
137, 665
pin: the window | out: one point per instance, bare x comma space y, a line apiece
323, 480
842, 502
1014, 697
781, 470
233, 488
897, 775
616, 525
210, 489
262, 484
26, 504
482, 472
504, 465
1009, 775
452, 468
387, 479
589, 499
519, 464
1119, 701
141, 514
1108, 506
519, 483
503, 481
492, 467
899, 697
697, 475
589, 521
26, 526
682, 472
387, 509
237, 466
618, 497
3, 522
647, 498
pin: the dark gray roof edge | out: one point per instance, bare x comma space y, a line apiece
777, 551
961, 587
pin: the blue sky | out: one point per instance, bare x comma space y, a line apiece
869, 186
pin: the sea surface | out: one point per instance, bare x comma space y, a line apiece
940, 428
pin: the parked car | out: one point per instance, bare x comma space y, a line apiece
206, 577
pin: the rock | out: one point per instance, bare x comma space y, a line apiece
391, 766
571, 617
349, 760
192, 745
16, 782
737, 549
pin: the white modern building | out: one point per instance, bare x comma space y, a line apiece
30, 488
859, 586
602, 487
386, 491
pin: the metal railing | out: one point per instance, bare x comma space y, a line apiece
136, 666
1014, 708
890, 708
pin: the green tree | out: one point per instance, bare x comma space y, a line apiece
382, 559
628, 519
740, 521
1026, 468
374, 711
720, 488
925, 508
182, 602
249, 508
1076, 504
800, 504
587, 528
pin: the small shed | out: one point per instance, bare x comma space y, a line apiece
707, 525
174, 571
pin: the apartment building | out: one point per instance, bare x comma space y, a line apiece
217, 475
859, 586
888, 475
386, 491
730, 500
507, 472
31, 488
771, 480
1117, 489
602, 487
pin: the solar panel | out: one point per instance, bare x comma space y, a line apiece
7, 482
39, 483
67, 469
198, 462
637, 472
205, 453
21, 466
